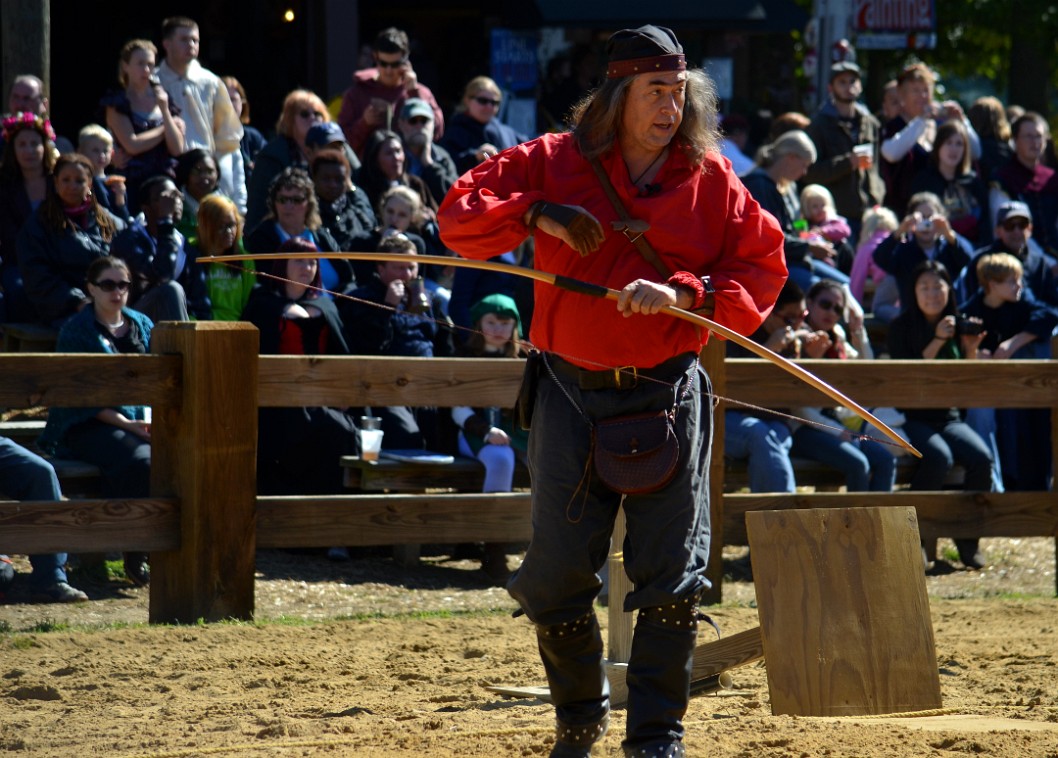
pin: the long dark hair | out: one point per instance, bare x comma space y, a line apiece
911, 309
51, 211
597, 118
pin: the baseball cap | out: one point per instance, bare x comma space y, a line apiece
1013, 209
416, 106
844, 67
321, 135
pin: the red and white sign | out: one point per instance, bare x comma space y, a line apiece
896, 15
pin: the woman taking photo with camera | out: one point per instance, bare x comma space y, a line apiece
925, 233
929, 328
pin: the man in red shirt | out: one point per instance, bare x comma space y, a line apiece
652, 127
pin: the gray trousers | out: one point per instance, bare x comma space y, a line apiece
667, 544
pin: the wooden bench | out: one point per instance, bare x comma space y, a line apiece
409, 477
78, 479
28, 338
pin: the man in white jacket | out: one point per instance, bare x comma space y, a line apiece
212, 122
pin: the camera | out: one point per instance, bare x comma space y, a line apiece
153, 80
924, 225
968, 325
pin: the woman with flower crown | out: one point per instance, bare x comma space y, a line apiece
61, 239
142, 119
29, 156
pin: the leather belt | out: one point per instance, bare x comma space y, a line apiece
620, 377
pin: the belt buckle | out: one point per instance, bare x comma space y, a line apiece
619, 376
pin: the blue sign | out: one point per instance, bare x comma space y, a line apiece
513, 61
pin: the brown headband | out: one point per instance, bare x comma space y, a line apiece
670, 62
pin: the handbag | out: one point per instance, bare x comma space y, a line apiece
637, 454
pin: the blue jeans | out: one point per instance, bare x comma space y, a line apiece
27, 476
765, 445
667, 544
944, 445
868, 466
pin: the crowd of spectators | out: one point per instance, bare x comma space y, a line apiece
876, 210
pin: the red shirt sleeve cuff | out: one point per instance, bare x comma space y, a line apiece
691, 282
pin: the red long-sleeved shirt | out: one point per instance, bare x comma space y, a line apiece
701, 220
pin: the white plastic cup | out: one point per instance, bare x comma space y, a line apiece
370, 444
370, 422
863, 150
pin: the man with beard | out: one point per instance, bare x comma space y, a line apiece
839, 126
426, 159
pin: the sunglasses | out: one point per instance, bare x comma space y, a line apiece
1018, 224
291, 199
311, 113
418, 120
391, 64
830, 305
109, 285
486, 101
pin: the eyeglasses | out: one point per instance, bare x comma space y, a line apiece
830, 305
418, 120
109, 285
1014, 224
391, 64
291, 199
311, 113
480, 100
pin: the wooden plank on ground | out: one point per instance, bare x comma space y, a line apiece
843, 611
67, 379
739, 649
904, 384
89, 526
392, 519
378, 381
940, 514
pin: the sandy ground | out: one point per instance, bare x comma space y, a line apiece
364, 658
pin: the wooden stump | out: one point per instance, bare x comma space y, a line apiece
843, 610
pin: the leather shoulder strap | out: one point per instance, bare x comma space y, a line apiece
639, 241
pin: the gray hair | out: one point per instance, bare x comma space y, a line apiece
794, 142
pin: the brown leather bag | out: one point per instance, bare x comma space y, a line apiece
637, 454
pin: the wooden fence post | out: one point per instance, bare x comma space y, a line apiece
205, 454
712, 358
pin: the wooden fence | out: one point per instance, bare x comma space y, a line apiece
204, 521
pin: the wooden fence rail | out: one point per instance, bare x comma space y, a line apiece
204, 521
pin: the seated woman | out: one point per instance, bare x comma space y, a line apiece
490, 434
117, 440
950, 176
301, 110
29, 158
220, 233
867, 465
385, 166
927, 329
474, 132
773, 184
299, 449
197, 175
142, 119
61, 239
924, 234
293, 212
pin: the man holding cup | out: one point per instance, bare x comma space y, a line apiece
846, 139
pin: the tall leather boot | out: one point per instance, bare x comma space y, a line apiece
572, 657
659, 679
